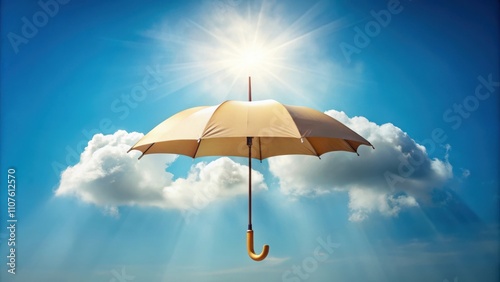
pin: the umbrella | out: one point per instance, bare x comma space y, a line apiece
253, 129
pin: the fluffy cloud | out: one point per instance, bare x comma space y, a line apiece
393, 176
109, 177
398, 174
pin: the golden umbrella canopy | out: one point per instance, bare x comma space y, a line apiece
253, 129
222, 130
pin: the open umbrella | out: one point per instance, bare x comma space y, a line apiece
253, 129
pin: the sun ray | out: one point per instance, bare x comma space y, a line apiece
216, 53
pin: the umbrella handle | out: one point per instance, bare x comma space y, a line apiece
251, 252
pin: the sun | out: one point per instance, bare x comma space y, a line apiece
252, 58
221, 49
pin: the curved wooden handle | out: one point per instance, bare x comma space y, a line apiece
251, 252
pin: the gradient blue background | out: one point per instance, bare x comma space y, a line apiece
59, 87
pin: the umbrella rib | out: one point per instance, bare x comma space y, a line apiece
260, 151
311, 145
203, 133
293, 120
298, 131
354, 150
143, 153
197, 147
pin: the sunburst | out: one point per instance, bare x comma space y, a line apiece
278, 50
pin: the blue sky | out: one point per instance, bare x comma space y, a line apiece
81, 81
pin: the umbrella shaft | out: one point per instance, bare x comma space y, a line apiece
249, 143
249, 89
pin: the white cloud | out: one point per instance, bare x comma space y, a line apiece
109, 177
398, 174
270, 260
364, 201
393, 176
